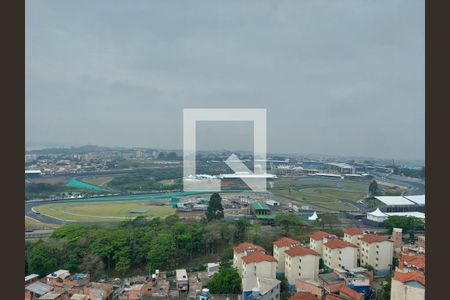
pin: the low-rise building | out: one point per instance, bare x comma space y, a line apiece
350, 294
408, 286
303, 296
279, 248
242, 250
257, 288
353, 235
378, 252
301, 263
259, 265
411, 263
182, 280
316, 240
340, 254
36, 290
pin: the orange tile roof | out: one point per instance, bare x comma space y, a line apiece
353, 231
247, 246
332, 297
318, 235
258, 257
373, 238
351, 293
300, 251
337, 243
410, 276
286, 242
303, 296
417, 261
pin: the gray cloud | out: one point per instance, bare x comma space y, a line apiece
337, 77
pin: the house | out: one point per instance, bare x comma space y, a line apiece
408, 286
353, 235
350, 294
57, 277
340, 254
212, 268
53, 295
316, 240
411, 263
279, 247
182, 280
303, 296
31, 278
331, 282
257, 288
301, 263
36, 290
259, 265
311, 287
79, 297
378, 252
242, 250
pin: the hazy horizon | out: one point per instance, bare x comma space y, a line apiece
338, 77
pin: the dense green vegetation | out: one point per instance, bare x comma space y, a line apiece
140, 245
408, 224
226, 281
215, 208
45, 190
416, 173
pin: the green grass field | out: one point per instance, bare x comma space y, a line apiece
325, 193
99, 181
102, 211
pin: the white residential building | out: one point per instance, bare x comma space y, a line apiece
242, 250
257, 288
353, 235
316, 240
259, 265
301, 263
340, 254
279, 248
377, 251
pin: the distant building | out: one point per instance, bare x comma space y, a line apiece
259, 265
301, 263
279, 248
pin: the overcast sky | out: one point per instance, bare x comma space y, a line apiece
336, 77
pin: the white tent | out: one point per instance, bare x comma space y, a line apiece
313, 217
377, 215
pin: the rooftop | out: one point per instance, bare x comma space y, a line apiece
410, 276
50, 296
260, 205
60, 273
319, 235
350, 292
300, 251
286, 242
353, 231
373, 238
258, 257
264, 284
39, 288
31, 276
394, 200
417, 261
303, 296
337, 243
247, 246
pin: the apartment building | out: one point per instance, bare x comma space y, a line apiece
259, 264
301, 263
378, 252
279, 248
340, 254
242, 250
408, 286
353, 235
316, 240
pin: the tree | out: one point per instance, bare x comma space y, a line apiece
408, 224
162, 254
41, 260
92, 264
215, 208
226, 281
328, 219
385, 293
373, 188
286, 221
